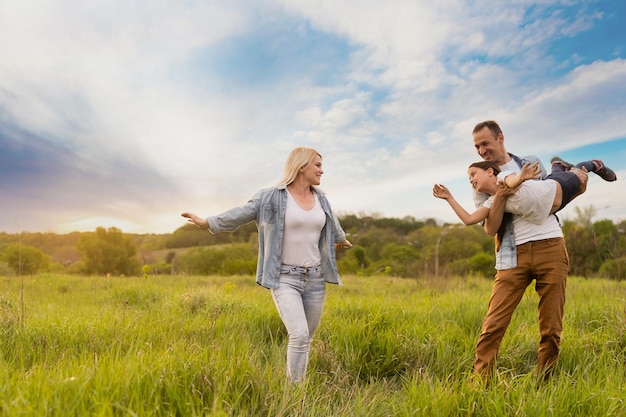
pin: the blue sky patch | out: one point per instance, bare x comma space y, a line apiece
271, 54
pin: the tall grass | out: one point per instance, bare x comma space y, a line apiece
215, 346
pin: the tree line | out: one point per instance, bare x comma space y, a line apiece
402, 247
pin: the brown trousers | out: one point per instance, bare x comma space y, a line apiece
547, 262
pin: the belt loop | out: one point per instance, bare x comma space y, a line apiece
306, 270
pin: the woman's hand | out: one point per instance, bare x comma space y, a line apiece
345, 244
198, 221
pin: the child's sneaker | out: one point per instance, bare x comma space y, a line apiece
559, 161
604, 172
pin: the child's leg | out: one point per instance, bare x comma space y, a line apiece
568, 187
557, 168
557, 204
559, 165
599, 168
589, 165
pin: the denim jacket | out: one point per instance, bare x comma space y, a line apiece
506, 254
267, 208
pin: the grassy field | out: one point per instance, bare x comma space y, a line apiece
215, 346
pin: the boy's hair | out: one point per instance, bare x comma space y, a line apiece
485, 165
491, 125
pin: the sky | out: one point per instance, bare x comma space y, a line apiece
125, 114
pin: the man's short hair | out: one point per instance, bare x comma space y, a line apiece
491, 125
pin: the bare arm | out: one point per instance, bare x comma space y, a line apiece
494, 216
529, 171
198, 221
441, 191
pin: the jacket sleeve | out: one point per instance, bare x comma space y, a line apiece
339, 234
232, 219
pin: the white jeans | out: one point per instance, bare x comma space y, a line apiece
299, 300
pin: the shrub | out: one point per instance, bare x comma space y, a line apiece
25, 259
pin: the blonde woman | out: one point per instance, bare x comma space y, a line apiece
298, 235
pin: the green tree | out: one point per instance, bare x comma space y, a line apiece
25, 259
614, 269
580, 247
404, 260
374, 240
610, 241
108, 251
481, 264
355, 261
235, 259
190, 235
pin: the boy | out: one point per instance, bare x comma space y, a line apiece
534, 201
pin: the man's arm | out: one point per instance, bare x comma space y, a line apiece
583, 178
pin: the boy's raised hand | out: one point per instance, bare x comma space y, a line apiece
530, 171
441, 191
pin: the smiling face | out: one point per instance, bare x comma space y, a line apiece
482, 180
312, 172
490, 146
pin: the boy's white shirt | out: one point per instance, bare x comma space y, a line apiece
523, 231
532, 201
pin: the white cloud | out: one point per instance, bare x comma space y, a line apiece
128, 85
584, 108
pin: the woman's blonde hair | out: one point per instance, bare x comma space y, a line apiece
297, 159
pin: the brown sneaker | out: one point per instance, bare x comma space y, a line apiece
559, 161
604, 172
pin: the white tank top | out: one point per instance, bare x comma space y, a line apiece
302, 233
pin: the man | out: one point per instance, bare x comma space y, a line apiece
524, 251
